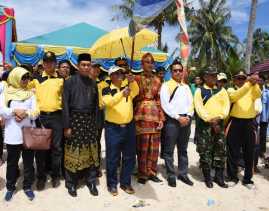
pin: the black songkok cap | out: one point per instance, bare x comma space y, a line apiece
84, 57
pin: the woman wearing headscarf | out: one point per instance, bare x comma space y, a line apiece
19, 108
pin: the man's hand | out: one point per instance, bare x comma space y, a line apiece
214, 121
215, 124
2, 122
160, 125
67, 132
253, 79
130, 78
184, 121
126, 92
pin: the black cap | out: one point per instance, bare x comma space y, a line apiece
49, 57
84, 57
210, 71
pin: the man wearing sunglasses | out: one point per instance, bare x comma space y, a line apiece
177, 103
241, 133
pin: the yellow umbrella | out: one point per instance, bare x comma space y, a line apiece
119, 43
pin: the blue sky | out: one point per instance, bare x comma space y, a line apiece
35, 17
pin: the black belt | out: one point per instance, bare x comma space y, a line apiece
50, 113
118, 125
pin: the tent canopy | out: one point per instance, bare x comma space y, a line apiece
80, 35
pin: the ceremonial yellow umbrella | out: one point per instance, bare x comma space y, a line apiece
119, 43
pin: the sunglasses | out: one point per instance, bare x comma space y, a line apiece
177, 70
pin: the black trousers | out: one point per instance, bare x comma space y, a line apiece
13, 155
54, 122
263, 136
71, 179
175, 135
241, 135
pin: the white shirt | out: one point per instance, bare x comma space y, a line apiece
182, 102
13, 129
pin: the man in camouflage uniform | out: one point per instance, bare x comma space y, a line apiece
212, 107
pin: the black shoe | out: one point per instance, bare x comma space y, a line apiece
113, 191
93, 189
142, 181
127, 188
247, 182
207, 176
185, 179
155, 179
9, 195
40, 185
219, 178
72, 191
172, 182
55, 183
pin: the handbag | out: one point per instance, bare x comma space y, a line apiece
37, 138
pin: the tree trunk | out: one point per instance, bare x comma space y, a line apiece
251, 25
159, 31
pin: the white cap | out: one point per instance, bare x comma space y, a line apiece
222, 76
114, 69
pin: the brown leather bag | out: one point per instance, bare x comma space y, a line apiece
37, 138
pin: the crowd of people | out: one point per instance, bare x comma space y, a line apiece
143, 116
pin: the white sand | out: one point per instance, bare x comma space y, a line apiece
156, 196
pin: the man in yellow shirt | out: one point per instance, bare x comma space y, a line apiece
241, 133
119, 130
48, 89
212, 107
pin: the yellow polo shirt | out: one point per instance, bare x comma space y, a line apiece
48, 92
218, 105
118, 110
243, 100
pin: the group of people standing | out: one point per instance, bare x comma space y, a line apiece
139, 113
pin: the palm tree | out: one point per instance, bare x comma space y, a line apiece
260, 50
210, 36
252, 19
168, 16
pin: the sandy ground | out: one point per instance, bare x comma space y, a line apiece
155, 196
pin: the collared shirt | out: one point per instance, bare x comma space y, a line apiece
48, 91
243, 100
118, 109
182, 101
215, 105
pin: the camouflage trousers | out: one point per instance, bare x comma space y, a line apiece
210, 146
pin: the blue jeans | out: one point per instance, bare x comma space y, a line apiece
120, 140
